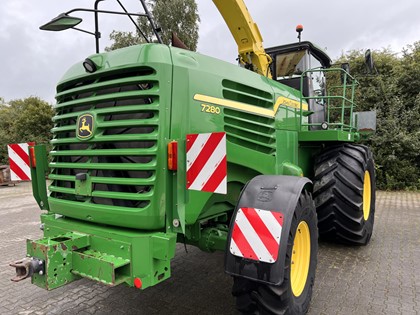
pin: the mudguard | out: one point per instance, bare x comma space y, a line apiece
264, 215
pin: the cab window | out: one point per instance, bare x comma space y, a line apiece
290, 65
317, 77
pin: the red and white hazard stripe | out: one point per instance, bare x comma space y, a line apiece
206, 162
256, 234
19, 161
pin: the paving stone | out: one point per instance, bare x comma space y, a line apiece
381, 278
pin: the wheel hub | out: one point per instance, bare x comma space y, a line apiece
301, 257
366, 195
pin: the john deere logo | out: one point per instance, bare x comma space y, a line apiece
85, 126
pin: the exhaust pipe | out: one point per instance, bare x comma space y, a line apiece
26, 267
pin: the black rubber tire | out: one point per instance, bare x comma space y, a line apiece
338, 194
258, 298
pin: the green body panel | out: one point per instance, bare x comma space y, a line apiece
326, 135
252, 148
111, 189
38, 173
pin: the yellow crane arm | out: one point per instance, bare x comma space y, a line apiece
246, 34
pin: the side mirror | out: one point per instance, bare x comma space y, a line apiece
365, 122
346, 68
369, 61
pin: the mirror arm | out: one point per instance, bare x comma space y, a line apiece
149, 17
97, 34
132, 20
84, 31
104, 11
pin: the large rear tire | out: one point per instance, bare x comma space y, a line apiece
344, 194
295, 292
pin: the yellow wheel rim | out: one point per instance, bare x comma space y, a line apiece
301, 257
366, 196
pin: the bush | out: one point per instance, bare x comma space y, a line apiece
395, 94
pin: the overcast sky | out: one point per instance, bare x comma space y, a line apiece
32, 61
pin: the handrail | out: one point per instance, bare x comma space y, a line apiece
338, 100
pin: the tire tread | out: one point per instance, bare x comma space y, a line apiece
338, 193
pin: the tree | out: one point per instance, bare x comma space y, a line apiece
179, 16
408, 74
24, 120
395, 95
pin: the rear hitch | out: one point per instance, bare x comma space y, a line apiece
26, 267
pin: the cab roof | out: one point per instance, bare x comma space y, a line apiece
316, 51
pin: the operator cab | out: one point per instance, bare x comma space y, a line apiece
289, 64
290, 61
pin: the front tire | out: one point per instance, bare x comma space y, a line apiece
344, 194
295, 292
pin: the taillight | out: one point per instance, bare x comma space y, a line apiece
32, 159
173, 156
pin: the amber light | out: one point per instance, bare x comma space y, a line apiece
32, 157
173, 156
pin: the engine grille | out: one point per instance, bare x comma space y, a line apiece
248, 130
121, 158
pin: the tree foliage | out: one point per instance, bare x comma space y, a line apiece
24, 120
395, 95
179, 16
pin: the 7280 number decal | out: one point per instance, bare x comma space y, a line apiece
210, 109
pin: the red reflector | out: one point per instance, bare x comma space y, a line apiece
137, 283
173, 156
32, 159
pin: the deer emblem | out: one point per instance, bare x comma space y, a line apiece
85, 126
